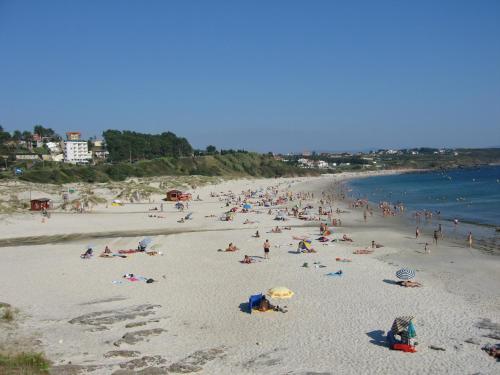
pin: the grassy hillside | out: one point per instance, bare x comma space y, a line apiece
229, 165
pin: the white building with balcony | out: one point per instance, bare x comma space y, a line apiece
77, 152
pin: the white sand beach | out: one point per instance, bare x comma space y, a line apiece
87, 318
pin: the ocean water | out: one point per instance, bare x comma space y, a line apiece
470, 195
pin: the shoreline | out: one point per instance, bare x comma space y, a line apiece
486, 234
85, 316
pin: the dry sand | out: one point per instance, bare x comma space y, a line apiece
195, 319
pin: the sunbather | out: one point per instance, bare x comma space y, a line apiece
231, 247
346, 238
276, 230
265, 305
363, 251
410, 284
257, 235
88, 254
247, 260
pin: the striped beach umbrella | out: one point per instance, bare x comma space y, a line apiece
401, 323
405, 274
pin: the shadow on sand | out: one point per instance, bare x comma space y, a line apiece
245, 307
378, 338
392, 282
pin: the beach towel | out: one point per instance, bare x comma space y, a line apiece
338, 273
130, 251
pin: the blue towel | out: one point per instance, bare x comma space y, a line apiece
338, 273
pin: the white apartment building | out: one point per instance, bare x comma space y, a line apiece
76, 152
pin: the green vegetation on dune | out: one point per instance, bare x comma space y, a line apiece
24, 363
228, 165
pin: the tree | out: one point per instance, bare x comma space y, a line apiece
17, 135
4, 136
211, 150
125, 145
45, 132
26, 136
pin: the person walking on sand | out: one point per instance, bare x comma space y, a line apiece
436, 236
426, 248
469, 239
417, 233
365, 215
267, 247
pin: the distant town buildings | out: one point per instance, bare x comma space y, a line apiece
73, 136
76, 152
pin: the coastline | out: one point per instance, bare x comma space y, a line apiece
485, 234
198, 304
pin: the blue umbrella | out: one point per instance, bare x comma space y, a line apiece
247, 206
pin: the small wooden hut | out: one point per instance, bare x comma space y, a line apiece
177, 195
40, 204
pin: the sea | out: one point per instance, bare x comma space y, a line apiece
470, 195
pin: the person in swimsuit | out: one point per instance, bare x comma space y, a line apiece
267, 247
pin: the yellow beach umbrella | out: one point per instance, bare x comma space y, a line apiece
280, 292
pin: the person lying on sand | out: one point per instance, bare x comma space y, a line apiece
343, 260
248, 222
265, 305
287, 228
346, 238
182, 220
410, 284
212, 215
493, 350
363, 251
231, 247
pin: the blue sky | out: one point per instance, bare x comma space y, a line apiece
260, 75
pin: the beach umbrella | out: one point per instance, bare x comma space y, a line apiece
280, 292
405, 274
401, 324
247, 206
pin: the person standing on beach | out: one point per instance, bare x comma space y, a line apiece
365, 215
417, 233
469, 239
436, 236
267, 247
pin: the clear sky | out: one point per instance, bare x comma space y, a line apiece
260, 75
